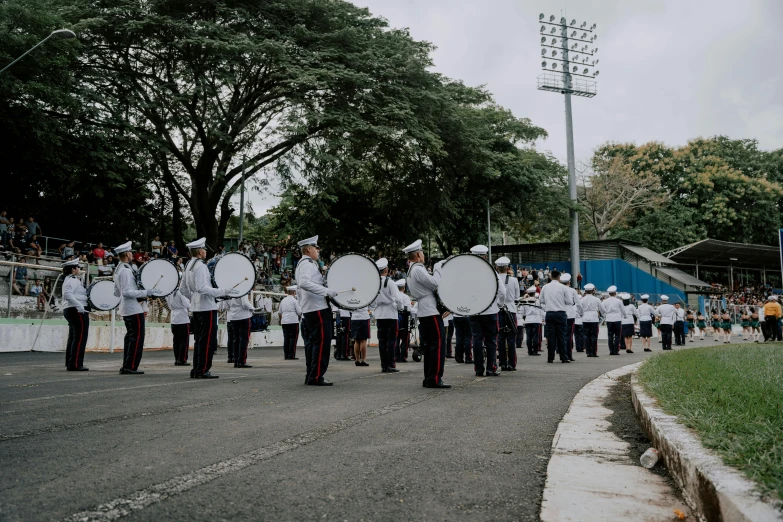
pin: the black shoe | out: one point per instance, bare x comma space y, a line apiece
230, 361
125, 371
580, 351
647, 350
206, 375
393, 370
440, 384
564, 361
571, 359
479, 374
468, 361
322, 382
192, 374
358, 363
512, 369
384, 370
504, 368
242, 366
550, 361
461, 361
82, 369
402, 361
493, 374
424, 383
449, 356
364, 364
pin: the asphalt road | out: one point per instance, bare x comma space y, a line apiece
257, 444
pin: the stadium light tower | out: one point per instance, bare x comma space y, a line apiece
568, 54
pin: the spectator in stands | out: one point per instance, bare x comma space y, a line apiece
34, 248
285, 279
180, 265
4, 228
21, 283
11, 227
36, 290
67, 250
172, 250
157, 247
18, 242
33, 227
99, 253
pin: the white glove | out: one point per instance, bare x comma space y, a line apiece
226, 292
331, 293
81, 310
437, 266
152, 292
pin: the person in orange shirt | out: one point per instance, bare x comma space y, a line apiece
772, 312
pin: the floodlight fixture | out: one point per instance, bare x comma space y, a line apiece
552, 18
543, 40
541, 16
583, 24
596, 73
554, 53
543, 52
594, 26
554, 66
585, 71
543, 64
543, 28
573, 21
554, 41
575, 68
553, 31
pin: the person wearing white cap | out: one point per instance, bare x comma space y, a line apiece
75, 312
290, 313
556, 298
628, 322
180, 326
520, 338
386, 313
667, 315
197, 286
507, 346
646, 316
403, 328
486, 327
679, 326
316, 315
534, 317
572, 312
614, 311
422, 287
131, 310
239, 317
591, 309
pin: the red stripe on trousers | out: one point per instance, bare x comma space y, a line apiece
138, 337
437, 367
320, 346
209, 336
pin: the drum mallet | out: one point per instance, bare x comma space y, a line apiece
349, 290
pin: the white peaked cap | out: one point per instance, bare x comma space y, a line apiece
199, 243
772, 297
531, 290
310, 241
125, 247
382, 263
612, 289
625, 296
537, 294
400, 283
72, 262
645, 296
502, 261
291, 288
413, 247
564, 278
530, 277
479, 250
589, 286
664, 298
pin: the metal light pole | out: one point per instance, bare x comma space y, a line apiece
573, 53
59, 34
242, 206
489, 234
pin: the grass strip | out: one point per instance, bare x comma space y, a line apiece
732, 395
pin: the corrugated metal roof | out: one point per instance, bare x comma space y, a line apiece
725, 253
649, 255
682, 277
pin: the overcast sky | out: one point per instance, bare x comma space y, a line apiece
670, 70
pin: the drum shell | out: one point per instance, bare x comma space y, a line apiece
149, 263
251, 274
105, 307
342, 301
488, 300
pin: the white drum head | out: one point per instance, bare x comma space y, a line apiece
354, 271
159, 274
101, 296
468, 284
235, 272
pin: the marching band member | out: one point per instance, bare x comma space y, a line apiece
74, 303
485, 327
646, 316
614, 311
290, 313
387, 306
508, 336
403, 333
316, 315
572, 312
224, 306
240, 313
555, 298
180, 326
344, 348
360, 333
422, 287
464, 339
448, 319
533, 318
197, 286
579, 329
631, 315
520, 320
591, 308
131, 310
667, 315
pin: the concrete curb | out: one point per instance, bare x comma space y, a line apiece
591, 477
714, 490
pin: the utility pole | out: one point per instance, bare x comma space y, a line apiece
241, 207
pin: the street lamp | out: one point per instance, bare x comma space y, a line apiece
59, 34
569, 64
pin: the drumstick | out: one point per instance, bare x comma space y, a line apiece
239, 283
349, 290
156, 284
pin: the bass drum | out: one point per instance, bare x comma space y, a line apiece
353, 271
100, 295
235, 272
159, 274
468, 284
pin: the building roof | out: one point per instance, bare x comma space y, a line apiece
724, 254
648, 254
682, 277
